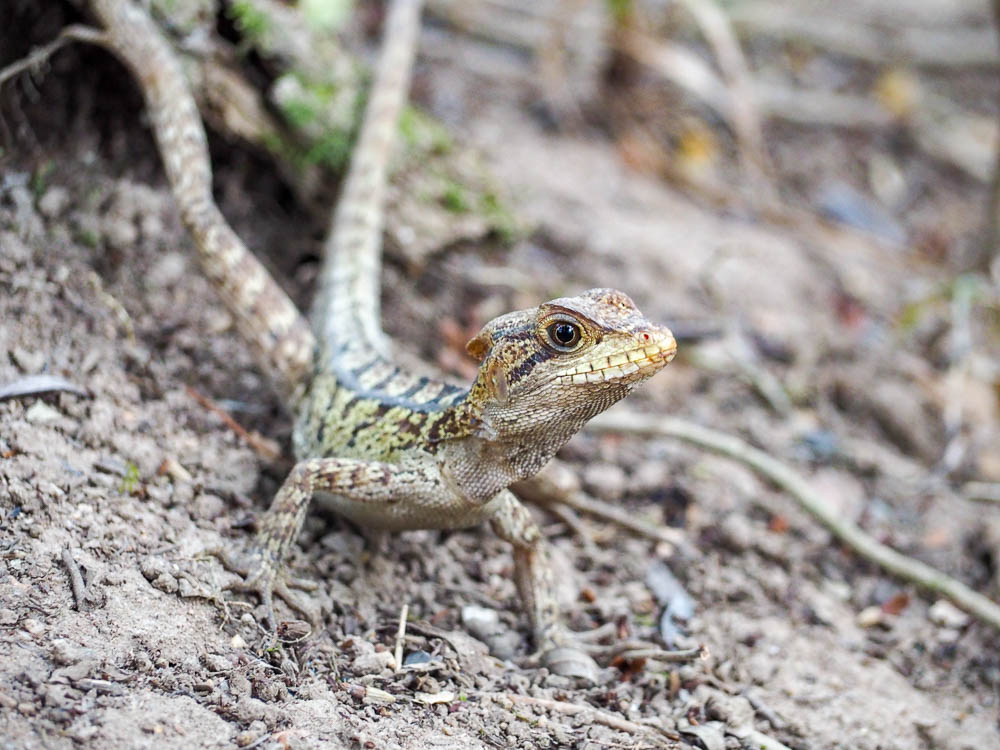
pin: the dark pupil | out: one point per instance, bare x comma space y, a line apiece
565, 334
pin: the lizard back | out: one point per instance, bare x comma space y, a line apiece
360, 403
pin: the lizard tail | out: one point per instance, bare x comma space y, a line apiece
265, 316
347, 309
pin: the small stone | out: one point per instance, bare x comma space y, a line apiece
166, 583
649, 476
429, 699
607, 481
373, 663
29, 362
416, 657
208, 507
120, 233
736, 532
168, 270
948, 636
869, 617
481, 622
237, 641
216, 662
172, 468
947, 615
54, 202
12, 248
41, 413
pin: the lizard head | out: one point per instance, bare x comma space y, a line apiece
551, 368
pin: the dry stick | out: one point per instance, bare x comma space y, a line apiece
809, 500
990, 245
937, 47
593, 714
718, 32
76, 32
982, 492
266, 449
401, 636
541, 490
75, 579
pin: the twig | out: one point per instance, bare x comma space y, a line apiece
74, 33
265, 448
990, 244
762, 741
718, 32
543, 490
75, 580
810, 501
954, 47
401, 636
680, 656
33, 385
982, 492
592, 714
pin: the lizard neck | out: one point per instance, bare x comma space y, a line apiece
495, 447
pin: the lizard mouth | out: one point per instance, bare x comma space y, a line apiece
627, 366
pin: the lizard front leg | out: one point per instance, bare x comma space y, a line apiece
368, 483
533, 575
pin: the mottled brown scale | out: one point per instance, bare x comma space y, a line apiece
380, 445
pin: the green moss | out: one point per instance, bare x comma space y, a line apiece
619, 10
501, 217
421, 132
250, 22
40, 178
130, 482
454, 198
87, 238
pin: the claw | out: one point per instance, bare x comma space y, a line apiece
260, 577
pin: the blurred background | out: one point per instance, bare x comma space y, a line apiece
807, 192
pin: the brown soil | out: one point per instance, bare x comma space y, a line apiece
136, 478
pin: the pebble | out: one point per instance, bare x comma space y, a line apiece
208, 507
373, 662
12, 248
41, 413
416, 657
869, 617
29, 362
648, 477
605, 480
54, 202
481, 622
947, 615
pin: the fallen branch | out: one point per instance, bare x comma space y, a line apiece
39, 55
262, 446
555, 485
590, 713
982, 492
75, 580
809, 500
955, 47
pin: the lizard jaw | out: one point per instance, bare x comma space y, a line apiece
653, 350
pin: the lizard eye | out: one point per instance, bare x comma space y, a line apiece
564, 335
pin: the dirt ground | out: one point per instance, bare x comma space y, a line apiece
830, 346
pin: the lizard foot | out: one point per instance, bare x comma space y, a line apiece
261, 577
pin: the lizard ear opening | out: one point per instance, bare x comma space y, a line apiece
479, 347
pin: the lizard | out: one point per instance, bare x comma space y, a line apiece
385, 447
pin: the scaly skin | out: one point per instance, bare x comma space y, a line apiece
385, 447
